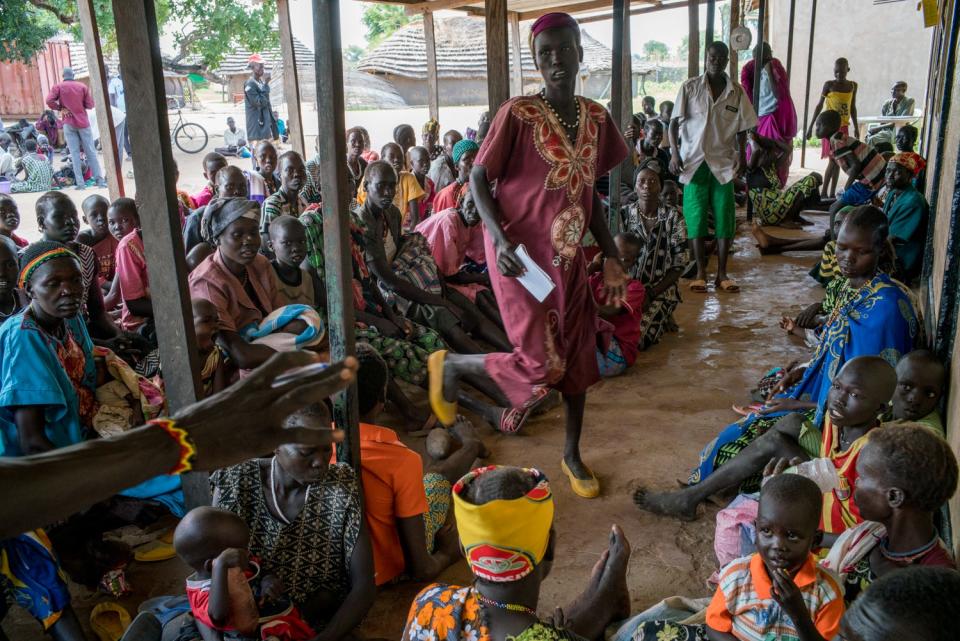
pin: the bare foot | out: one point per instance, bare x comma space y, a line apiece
440, 444
673, 504
606, 598
763, 240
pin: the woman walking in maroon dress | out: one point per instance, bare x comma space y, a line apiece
544, 152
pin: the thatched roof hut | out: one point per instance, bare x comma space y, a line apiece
462, 62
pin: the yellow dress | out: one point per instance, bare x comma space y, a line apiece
840, 102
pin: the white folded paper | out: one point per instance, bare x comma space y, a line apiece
537, 281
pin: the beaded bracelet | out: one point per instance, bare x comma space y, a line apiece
187, 449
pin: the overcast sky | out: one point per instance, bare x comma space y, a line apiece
666, 26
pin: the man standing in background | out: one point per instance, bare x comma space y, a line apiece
72, 99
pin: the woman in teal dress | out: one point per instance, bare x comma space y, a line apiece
868, 314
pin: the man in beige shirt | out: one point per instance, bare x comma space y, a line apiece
711, 116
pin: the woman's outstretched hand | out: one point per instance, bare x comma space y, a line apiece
246, 420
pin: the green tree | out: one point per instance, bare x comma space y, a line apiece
684, 48
210, 28
381, 20
655, 50
352, 55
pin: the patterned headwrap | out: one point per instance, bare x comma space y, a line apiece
39, 253
222, 211
504, 539
463, 147
905, 160
653, 164
555, 20
432, 126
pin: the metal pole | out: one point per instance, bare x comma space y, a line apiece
806, 93
338, 267
621, 97
793, 11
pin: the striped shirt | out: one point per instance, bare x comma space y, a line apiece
743, 604
844, 149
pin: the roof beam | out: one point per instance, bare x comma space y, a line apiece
636, 12
436, 5
580, 7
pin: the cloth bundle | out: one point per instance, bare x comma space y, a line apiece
268, 331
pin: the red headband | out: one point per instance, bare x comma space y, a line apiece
554, 20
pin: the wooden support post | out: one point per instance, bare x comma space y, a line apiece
336, 213
734, 54
138, 45
757, 71
498, 65
806, 92
693, 38
621, 98
793, 13
112, 169
291, 80
516, 54
711, 23
433, 82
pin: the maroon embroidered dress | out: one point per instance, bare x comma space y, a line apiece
545, 189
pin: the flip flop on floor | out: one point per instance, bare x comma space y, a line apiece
699, 286
444, 409
513, 418
109, 620
587, 489
728, 286
747, 410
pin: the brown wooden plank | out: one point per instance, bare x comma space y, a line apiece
433, 85
734, 55
693, 33
664, 6
621, 98
139, 49
535, 9
336, 215
291, 80
436, 5
498, 65
112, 169
516, 54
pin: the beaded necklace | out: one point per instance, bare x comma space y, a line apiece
908, 557
510, 607
576, 123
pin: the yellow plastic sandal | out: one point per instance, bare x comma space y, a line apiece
587, 489
109, 620
153, 551
445, 411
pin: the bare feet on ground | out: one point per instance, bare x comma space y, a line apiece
673, 504
606, 597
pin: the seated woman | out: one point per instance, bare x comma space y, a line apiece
464, 153
47, 401
773, 204
906, 209
505, 521
867, 314
448, 233
663, 254
37, 172
405, 269
306, 527
240, 283
906, 473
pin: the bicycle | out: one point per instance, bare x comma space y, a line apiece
189, 137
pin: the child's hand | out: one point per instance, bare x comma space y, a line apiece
782, 405
787, 594
271, 588
787, 324
777, 466
232, 558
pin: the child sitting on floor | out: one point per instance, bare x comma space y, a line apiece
626, 317
779, 592
921, 378
12, 299
864, 166
98, 237
418, 159
226, 592
216, 370
288, 242
10, 220
132, 281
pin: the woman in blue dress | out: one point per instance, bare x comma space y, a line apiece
868, 313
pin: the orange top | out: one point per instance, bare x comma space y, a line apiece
840, 511
743, 604
392, 476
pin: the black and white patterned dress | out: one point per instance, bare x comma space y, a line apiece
313, 552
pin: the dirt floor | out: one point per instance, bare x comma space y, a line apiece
643, 428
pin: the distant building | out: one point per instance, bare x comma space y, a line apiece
462, 63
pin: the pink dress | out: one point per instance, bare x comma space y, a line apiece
131, 270
449, 238
545, 189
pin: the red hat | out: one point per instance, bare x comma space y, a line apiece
255, 58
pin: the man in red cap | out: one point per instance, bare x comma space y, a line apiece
261, 124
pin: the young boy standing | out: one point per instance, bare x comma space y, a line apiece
134, 283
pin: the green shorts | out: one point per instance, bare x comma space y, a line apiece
702, 194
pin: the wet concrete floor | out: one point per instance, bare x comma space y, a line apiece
645, 427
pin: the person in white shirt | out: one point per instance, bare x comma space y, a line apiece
234, 140
711, 115
6, 159
118, 101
